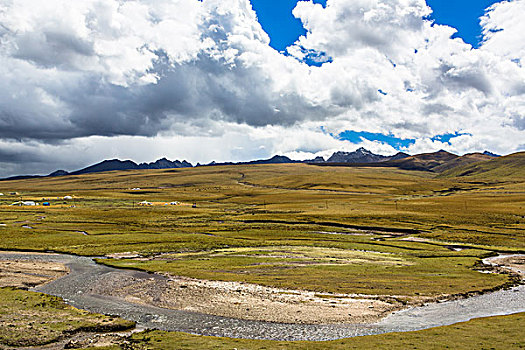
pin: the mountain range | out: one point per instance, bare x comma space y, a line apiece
112, 165
115, 164
438, 162
363, 155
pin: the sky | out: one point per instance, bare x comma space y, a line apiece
236, 80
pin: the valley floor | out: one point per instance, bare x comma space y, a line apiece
282, 243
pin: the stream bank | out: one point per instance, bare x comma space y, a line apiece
79, 288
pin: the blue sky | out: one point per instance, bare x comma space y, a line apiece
463, 15
278, 21
284, 29
398, 143
197, 80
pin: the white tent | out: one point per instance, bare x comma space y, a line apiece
25, 203
68, 198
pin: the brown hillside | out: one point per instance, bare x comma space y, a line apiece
512, 166
424, 161
465, 160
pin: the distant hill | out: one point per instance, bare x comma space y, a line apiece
424, 161
58, 173
399, 155
315, 160
420, 162
273, 160
22, 177
111, 165
465, 160
439, 162
511, 166
116, 164
362, 155
165, 164
107, 165
487, 153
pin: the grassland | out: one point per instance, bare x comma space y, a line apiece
376, 231
329, 270
291, 207
34, 319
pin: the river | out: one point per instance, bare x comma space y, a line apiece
76, 289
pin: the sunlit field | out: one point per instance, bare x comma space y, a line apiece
368, 231
412, 217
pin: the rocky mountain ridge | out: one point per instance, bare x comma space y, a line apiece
435, 162
363, 155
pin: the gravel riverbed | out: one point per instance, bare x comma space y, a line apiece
81, 287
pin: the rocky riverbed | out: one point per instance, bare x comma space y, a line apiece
88, 286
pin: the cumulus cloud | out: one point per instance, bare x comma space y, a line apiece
390, 27
234, 143
99, 72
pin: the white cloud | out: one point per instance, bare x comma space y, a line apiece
235, 143
100, 72
503, 29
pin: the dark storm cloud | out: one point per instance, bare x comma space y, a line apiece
465, 77
18, 156
202, 89
72, 102
52, 49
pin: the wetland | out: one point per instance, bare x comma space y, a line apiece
364, 251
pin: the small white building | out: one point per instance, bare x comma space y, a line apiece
68, 198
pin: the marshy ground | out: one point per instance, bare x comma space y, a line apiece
383, 236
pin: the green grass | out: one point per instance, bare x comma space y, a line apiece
327, 270
33, 319
280, 206
489, 213
263, 224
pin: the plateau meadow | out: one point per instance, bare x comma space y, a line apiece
405, 236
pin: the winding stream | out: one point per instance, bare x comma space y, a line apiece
75, 288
